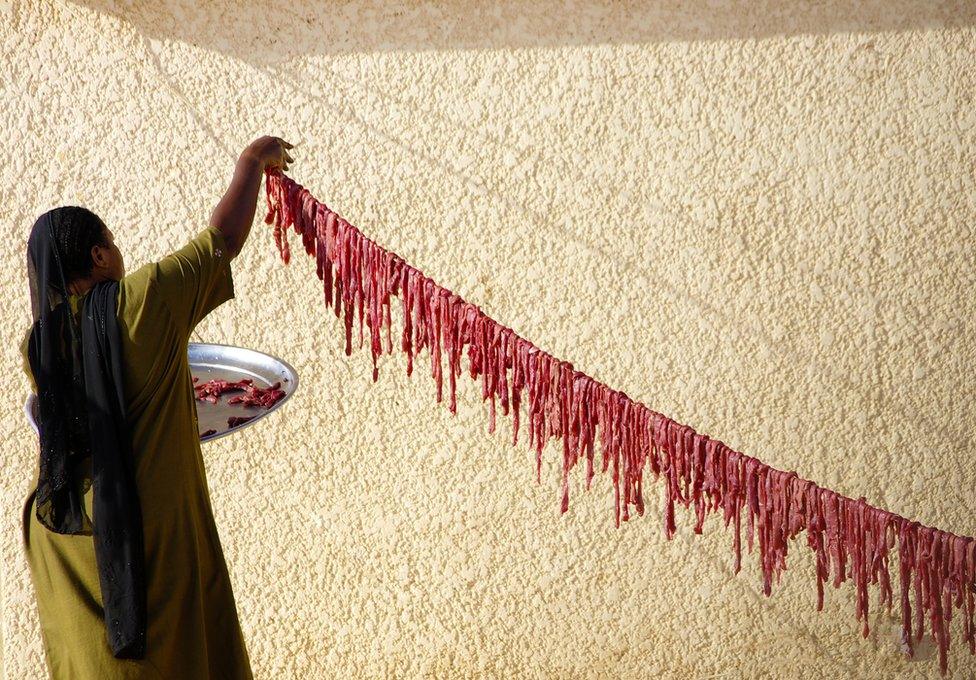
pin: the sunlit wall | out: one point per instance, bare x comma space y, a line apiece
754, 217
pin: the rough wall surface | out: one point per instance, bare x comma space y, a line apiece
756, 218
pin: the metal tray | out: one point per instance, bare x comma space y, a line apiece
224, 362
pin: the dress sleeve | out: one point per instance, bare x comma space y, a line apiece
196, 279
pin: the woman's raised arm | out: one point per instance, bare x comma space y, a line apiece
234, 214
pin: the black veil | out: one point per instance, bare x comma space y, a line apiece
84, 438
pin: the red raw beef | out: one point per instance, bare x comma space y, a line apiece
849, 538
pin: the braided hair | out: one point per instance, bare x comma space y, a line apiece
76, 231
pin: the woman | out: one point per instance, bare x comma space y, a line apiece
118, 529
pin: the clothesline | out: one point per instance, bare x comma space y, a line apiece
850, 538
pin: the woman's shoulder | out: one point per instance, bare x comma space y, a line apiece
143, 279
136, 286
139, 308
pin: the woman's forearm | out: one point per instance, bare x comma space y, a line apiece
234, 214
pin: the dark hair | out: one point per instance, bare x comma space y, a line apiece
76, 231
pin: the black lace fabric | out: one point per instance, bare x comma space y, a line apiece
83, 437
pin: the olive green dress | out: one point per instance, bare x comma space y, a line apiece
192, 629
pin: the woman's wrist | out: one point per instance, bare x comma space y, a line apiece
250, 156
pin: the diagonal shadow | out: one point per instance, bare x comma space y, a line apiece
274, 31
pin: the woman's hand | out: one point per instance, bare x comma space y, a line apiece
270, 153
234, 213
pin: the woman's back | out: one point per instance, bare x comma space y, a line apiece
193, 629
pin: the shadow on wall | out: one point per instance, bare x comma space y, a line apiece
270, 32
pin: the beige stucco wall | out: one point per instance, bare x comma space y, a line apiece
755, 217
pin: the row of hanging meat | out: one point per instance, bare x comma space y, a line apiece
850, 538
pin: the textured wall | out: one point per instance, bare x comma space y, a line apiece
755, 217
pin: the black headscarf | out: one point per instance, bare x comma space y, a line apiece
84, 438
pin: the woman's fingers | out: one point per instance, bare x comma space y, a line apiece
284, 158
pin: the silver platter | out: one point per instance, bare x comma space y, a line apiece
224, 362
